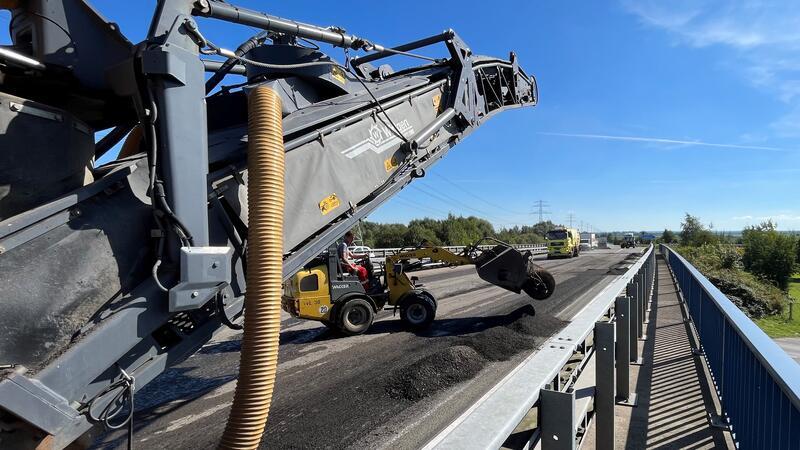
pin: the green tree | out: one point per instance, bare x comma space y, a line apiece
769, 253
694, 233
543, 227
390, 235
417, 233
667, 236
454, 230
798, 250
461, 230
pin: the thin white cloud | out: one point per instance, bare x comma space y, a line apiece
744, 24
764, 36
665, 141
789, 124
780, 219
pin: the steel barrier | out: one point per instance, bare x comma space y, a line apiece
757, 383
535, 248
578, 374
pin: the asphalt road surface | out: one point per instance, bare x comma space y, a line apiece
388, 388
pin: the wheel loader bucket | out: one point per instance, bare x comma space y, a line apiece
506, 267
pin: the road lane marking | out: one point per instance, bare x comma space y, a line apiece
177, 424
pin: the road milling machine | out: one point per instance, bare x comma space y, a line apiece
110, 274
323, 291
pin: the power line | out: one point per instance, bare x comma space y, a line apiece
411, 204
473, 195
441, 196
541, 204
571, 218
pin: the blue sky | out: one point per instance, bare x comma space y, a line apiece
647, 111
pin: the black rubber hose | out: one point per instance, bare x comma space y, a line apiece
226, 67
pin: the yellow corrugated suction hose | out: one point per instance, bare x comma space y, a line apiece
265, 193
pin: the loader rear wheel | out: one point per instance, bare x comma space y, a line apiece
418, 310
542, 287
355, 317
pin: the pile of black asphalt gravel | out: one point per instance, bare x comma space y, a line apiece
467, 355
390, 384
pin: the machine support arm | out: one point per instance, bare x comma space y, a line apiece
244, 16
434, 253
424, 42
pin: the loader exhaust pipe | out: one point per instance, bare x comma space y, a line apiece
265, 194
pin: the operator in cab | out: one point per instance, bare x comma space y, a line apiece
348, 260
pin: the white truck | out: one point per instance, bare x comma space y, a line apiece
588, 240
628, 241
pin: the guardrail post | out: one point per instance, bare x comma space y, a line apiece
557, 416
623, 351
640, 282
648, 286
632, 292
604, 384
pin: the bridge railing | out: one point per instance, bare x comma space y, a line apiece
577, 375
757, 383
535, 248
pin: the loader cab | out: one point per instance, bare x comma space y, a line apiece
342, 282
312, 292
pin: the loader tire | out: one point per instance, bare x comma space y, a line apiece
541, 288
355, 317
418, 310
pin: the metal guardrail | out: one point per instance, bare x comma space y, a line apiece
757, 383
536, 248
566, 395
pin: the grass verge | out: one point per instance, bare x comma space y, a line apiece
779, 325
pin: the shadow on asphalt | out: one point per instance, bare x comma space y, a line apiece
439, 328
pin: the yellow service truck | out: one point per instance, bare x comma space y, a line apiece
563, 242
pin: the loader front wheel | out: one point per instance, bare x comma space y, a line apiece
418, 310
356, 316
541, 286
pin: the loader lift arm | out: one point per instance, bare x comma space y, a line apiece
502, 265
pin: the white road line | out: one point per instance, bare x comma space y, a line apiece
190, 419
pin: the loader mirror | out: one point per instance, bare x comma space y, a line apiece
397, 268
414, 279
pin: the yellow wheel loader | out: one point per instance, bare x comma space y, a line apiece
323, 291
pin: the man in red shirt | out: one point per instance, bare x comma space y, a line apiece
348, 260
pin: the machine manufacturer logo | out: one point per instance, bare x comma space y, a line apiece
340, 286
380, 139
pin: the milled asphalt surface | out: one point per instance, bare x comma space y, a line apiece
386, 388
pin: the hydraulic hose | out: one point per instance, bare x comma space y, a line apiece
226, 67
265, 192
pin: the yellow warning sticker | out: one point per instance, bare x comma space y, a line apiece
329, 203
390, 164
437, 102
338, 73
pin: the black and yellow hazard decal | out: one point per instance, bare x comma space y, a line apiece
338, 74
329, 203
437, 102
391, 163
